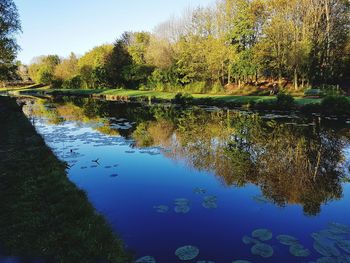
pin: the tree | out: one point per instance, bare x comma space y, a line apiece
68, 68
93, 67
43, 68
9, 26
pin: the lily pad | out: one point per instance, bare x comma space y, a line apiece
199, 191
287, 240
262, 234
321, 249
299, 251
210, 205
181, 201
331, 234
344, 245
209, 202
147, 259
161, 209
211, 198
248, 240
339, 228
263, 250
187, 252
182, 209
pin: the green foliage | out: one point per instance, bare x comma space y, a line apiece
285, 101
182, 99
9, 26
336, 105
72, 83
244, 43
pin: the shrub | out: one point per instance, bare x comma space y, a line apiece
182, 99
217, 88
56, 83
73, 83
339, 105
285, 101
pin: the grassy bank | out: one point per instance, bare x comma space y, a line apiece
42, 213
137, 94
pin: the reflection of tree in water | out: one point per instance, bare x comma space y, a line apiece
291, 164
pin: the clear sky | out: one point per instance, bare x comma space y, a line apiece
62, 26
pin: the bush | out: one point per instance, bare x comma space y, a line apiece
56, 83
338, 105
73, 83
285, 101
217, 88
182, 99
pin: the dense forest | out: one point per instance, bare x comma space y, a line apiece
228, 45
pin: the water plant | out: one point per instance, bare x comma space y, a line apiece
263, 250
187, 252
262, 234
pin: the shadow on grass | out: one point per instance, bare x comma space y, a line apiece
43, 214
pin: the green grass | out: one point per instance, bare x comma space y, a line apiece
167, 95
42, 213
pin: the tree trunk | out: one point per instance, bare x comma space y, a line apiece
296, 87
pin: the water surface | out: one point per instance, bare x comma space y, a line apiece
238, 171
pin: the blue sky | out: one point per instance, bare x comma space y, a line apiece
59, 27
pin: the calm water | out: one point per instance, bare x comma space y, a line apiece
286, 174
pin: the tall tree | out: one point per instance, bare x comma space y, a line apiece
9, 26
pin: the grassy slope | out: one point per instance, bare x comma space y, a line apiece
42, 213
168, 95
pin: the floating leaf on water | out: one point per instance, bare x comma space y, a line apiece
211, 198
326, 248
262, 234
210, 205
93, 166
209, 202
326, 260
199, 191
339, 228
116, 165
299, 251
181, 201
187, 252
262, 250
321, 249
129, 151
108, 167
248, 240
161, 208
83, 167
241, 261
331, 234
344, 245
287, 240
147, 259
114, 175
182, 209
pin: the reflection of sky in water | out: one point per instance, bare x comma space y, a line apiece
125, 186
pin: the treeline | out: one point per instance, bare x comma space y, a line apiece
232, 43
